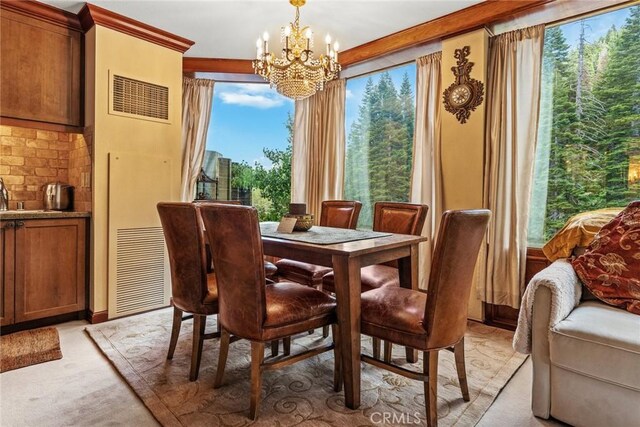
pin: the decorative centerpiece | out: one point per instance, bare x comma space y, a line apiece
304, 220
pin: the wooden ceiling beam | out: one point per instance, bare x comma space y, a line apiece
217, 65
467, 19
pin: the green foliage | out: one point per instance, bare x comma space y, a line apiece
379, 147
274, 183
241, 175
589, 124
271, 187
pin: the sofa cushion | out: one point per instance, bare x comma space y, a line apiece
599, 341
610, 267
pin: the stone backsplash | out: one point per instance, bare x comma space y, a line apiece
31, 158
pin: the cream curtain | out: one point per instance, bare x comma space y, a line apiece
317, 166
513, 98
197, 95
426, 172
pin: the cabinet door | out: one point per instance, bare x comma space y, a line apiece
50, 267
7, 270
41, 70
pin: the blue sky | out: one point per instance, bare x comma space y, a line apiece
245, 118
596, 26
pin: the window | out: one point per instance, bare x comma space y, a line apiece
380, 110
248, 155
588, 152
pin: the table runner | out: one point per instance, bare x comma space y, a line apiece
320, 235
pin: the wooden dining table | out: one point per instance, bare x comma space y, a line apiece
347, 259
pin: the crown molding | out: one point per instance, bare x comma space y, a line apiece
43, 12
91, 15
464, 20
217, 65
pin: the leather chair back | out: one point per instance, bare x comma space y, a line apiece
401, 218
187, 258
340, 213
454, 259
236, 248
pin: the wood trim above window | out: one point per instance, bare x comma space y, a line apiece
217, 65
467, 19
91, 15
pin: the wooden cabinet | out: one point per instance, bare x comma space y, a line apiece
41, 62
43, 268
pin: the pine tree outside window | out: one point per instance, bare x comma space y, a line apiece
588, 152
380, 114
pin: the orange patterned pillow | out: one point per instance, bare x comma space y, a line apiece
610, 268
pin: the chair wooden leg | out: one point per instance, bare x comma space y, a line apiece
257, 355
199, 321
325, 331
375, 348
458, 351
225, 339
286, 346
337, 367
175, 331
388, 347
430, 360
275, 348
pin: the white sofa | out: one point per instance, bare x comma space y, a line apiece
586, 365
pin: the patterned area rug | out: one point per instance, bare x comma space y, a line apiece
300, 394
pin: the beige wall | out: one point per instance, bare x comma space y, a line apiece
463, 144
111, 51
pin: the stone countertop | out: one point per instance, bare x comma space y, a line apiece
41, 214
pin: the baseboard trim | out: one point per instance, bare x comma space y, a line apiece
98, 316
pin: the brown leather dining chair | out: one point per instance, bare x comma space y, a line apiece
270, 269
250, 310
389, 217
435, 320
334, 213
193, 290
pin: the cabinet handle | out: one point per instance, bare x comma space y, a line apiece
19, 224
7, 225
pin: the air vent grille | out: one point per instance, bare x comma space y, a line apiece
140, 269
140, 98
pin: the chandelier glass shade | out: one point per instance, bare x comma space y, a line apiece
296, 74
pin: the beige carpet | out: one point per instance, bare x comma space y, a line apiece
300, 394
27, 348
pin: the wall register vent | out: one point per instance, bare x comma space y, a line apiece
140, 283
138, 98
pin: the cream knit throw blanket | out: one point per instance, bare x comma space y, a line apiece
566, 291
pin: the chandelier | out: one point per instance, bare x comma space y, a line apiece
297, 74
